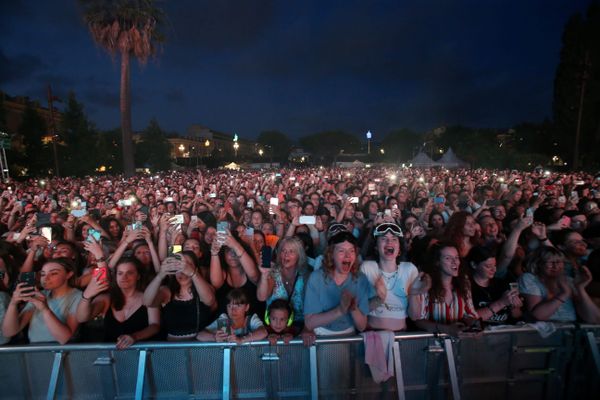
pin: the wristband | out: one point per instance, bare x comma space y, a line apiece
194, 274
84, 298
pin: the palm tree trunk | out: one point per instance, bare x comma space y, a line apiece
125, 106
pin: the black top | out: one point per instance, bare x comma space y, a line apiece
256, 307
484, 296
185, 317
113, 328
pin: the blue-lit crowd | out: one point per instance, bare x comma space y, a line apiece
243, 256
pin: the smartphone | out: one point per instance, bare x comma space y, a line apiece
503, 186
224, 324
513, 285
101, 273
176, 248
124, 203
42, 219
354, 200
176, 220
266, 254
387, 212
212, 195
194, 219
79, 213
168, 199
250, 204
29, 279
92, 233
371, 187
529, 212
46, 232
136, 226
562, 199
222, 226
274, 201
249, 231
438, 200
307, 219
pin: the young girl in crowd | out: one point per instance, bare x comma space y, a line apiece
235, 325
279, 320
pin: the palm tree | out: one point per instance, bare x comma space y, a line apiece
127, 28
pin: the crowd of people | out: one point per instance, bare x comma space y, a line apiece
241, 256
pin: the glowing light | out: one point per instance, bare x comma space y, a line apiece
393, 177
546, 173
369, 135
501, 179
382, 151
207, 143
181, 148
421, 179
260, 152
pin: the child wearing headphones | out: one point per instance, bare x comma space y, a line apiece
279, 320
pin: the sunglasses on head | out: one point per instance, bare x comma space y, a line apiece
382, 229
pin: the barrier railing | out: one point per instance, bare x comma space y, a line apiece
505, 364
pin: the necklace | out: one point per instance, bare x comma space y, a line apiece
389, 278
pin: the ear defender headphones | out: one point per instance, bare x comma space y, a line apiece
290, 318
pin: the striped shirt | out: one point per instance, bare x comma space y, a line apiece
441, 312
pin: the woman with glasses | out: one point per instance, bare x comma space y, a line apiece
286, 280
550, 295
391, 280
336, 300
440, 300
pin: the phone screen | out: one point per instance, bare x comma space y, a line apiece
266, 254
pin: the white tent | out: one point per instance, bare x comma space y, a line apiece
232, 165
450, 160
422, 160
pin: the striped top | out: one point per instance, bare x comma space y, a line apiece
444, 313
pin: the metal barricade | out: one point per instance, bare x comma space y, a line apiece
507, 364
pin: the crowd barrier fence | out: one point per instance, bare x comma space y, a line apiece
513, 363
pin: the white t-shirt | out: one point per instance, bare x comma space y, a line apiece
397, 283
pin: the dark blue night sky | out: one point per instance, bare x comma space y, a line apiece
303, 67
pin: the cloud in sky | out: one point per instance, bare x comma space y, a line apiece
303, 67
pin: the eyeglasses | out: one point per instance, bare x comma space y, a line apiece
236, 306
382, 229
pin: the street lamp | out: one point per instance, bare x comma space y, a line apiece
369, 136
236, 146
260, 152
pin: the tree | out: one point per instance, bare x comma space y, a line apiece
154, 150
78, 155
127, 28
278, 144
38, 157
109, 149
399, 144
577, 88
328, 145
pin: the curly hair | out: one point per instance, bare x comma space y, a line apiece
454, 230
328, 264
432, 267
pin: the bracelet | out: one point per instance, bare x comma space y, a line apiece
84, 298
194, 274
559, 299
214, 254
